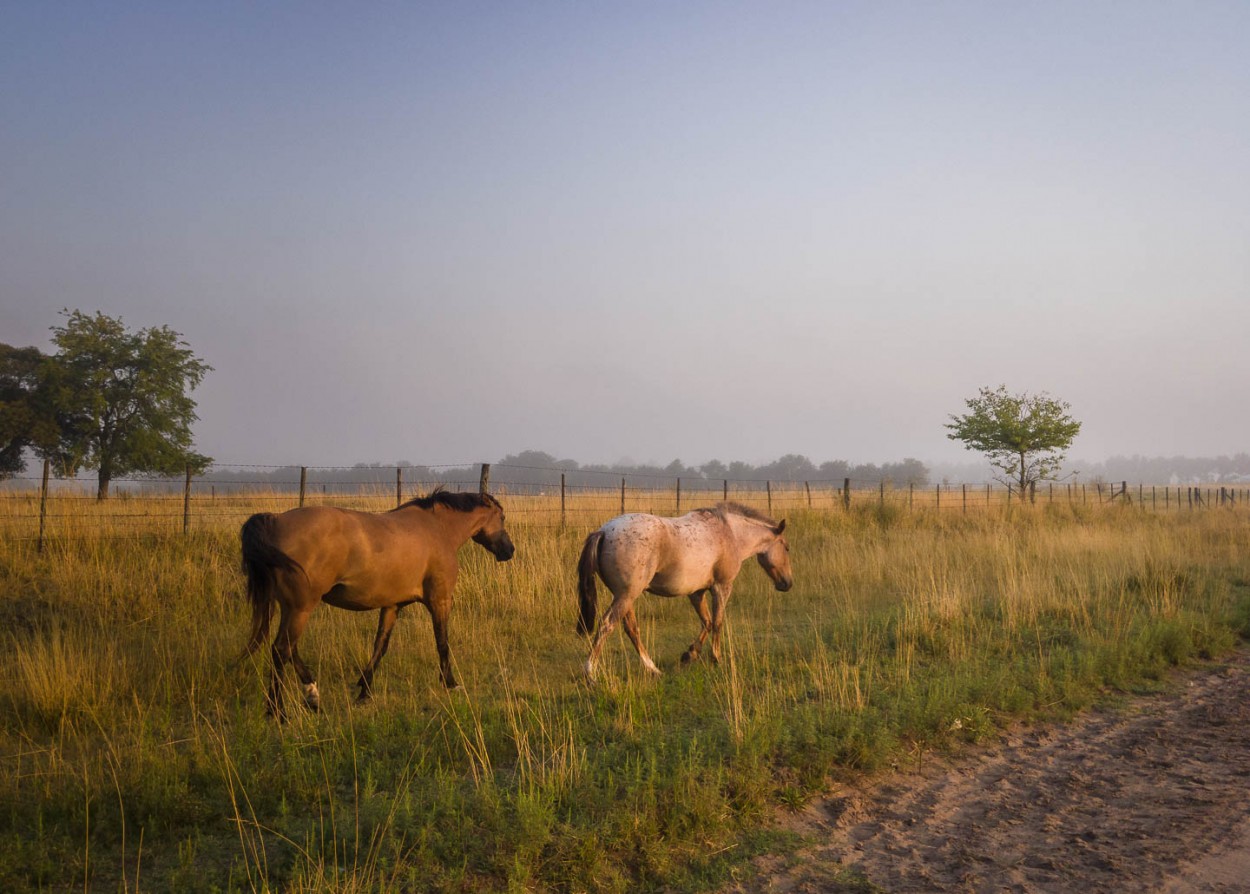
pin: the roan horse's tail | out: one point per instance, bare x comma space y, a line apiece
262, 560
587, 592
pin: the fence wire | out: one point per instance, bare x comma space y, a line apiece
220, 500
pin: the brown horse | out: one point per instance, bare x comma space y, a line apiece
361, 561
699, 553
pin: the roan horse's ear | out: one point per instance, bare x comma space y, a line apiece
781, 526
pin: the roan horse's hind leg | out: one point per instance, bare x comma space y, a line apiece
630, 623
620, 611
386, 624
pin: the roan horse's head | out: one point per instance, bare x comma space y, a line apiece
491, 536
775, 560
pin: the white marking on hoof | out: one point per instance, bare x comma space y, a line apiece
650, 666
312, 697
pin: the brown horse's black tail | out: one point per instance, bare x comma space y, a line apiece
587, 591
262, 561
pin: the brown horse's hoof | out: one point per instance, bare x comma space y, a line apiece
688, 656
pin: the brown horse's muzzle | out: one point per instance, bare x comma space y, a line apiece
783, 584
500, 546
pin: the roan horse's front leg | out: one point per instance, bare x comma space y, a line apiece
700, 606
712, 621
720, 598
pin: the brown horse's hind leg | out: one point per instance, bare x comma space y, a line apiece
284, 651
630, 623
699, 602
386, 624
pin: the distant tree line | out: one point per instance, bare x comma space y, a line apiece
1167, 469
535, 469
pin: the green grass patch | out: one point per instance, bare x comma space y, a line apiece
135, 755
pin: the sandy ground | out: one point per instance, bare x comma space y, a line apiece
1152, 796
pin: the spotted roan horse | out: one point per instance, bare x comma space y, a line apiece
699, 553
361, 561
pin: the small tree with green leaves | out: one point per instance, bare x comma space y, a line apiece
122, 398
27, 418
1023, 435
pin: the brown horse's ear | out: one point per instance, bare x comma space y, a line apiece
781, 526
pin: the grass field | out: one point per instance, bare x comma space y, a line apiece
136, 756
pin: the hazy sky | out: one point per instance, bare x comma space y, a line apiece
447, 232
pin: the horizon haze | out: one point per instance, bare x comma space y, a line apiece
449, 233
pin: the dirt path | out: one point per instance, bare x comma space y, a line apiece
1151, 797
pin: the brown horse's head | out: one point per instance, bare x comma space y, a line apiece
491, 536
775, 559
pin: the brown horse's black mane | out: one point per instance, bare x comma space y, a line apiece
731, 508
461, 502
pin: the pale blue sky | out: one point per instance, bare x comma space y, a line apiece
447, 232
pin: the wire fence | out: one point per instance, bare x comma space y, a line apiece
42, 510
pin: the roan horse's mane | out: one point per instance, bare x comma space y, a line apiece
461, 502
724, 509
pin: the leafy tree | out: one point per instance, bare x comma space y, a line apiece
1023, 435
123, 398
714, 468
27, 418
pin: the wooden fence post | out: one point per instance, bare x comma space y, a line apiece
937, 490
807, 486
679, 496
303, 480
725, 487
43, 503
562, 499
483, 481
846, 493
186, 503
622, 495
399, 486
965, 490
881, 498
768, 486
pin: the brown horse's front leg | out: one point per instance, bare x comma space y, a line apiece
386, 624
440, 612
700, 606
